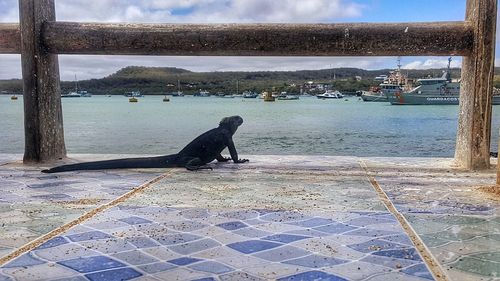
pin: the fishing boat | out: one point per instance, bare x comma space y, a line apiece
249, 95
13, 97
329, 94
392, 83
432, 91
179, 93
76, 93
133, 99
286, 96
133, 94
202, 93
71, 95
85, 94
374, 94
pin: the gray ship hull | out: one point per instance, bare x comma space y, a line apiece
422, 99
373, 97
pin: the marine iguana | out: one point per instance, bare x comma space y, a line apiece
199, 152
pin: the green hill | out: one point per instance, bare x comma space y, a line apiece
159, 80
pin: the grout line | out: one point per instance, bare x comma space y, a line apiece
44, 238
425, 253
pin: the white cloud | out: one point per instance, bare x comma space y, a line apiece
198, 11
433, 63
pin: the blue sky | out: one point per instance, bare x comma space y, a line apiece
412, 11
238, 11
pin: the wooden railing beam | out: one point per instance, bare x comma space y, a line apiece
356, 39
10, 38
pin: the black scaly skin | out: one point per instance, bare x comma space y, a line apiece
199, 152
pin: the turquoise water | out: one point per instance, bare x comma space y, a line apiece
306, 127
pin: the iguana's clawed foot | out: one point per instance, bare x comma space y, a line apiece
241, 161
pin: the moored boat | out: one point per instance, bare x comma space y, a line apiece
202, 93
392, 83
76, 93
71, 95
375, 94
249, 95
432, 91
285, 96
133, 94
329, 94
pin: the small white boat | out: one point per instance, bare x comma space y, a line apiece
133, 94
71, 95
249, 95
202, 93
285, 96
329, 94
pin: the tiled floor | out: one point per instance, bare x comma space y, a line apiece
457, 222
277, 217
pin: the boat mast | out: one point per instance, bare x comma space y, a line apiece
448, 72
398, 73
76, 85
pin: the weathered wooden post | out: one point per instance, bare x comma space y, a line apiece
474, 126
498, 165
43, 124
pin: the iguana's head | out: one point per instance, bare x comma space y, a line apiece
231, 123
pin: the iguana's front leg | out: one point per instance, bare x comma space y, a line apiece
221, 158
234, 154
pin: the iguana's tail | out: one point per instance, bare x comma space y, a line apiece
167, 161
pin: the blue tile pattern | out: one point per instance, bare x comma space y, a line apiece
24, 261
160, 239
335, 228
90, 264
179, 238
312, 275
135, 220
156, 267
315, 261
253, 246
183, 261
284, 238
120, 274
91, 235
154, 248
376, 245
212, 267
233, 225
407, 254
56, 241
313, 222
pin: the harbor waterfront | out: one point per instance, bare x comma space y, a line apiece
308, 126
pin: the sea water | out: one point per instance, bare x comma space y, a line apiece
308, 126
